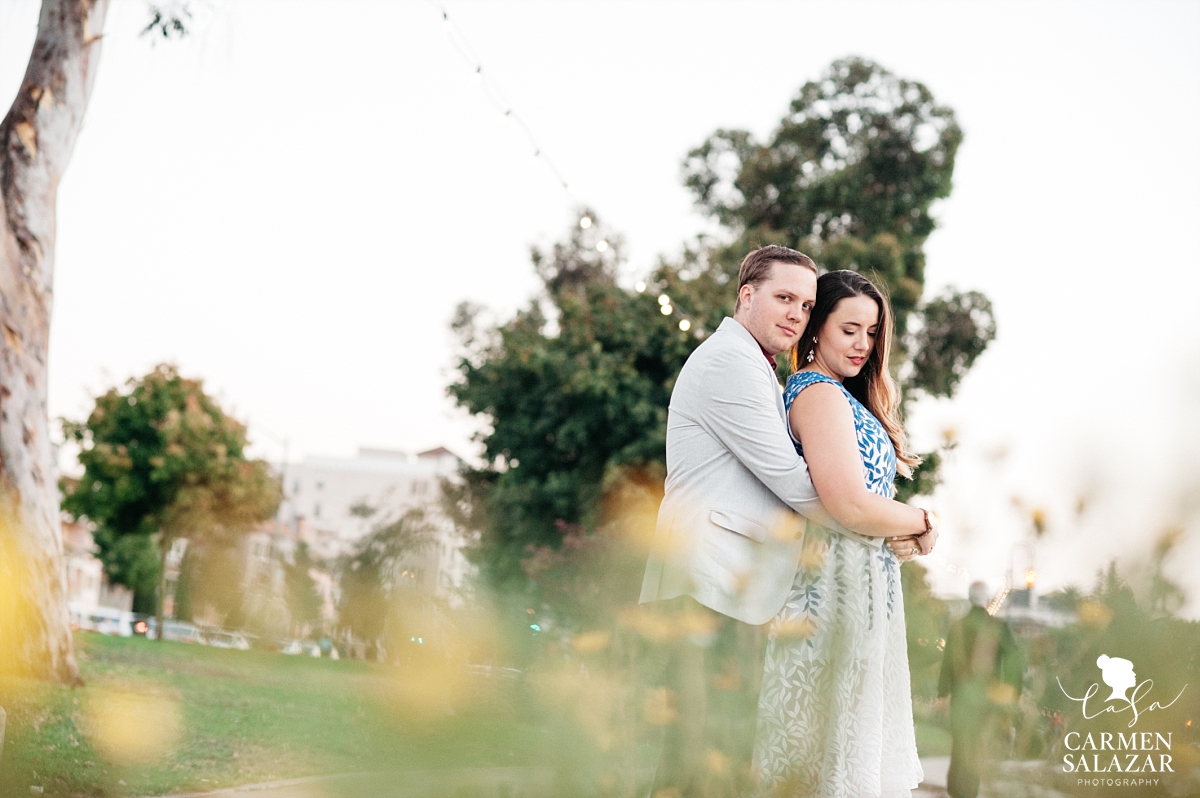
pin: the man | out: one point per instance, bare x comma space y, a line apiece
981, 673
728, 539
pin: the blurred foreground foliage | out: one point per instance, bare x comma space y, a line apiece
1121, 616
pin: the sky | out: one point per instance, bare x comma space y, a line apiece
291, 202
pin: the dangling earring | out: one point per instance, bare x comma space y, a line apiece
809, 358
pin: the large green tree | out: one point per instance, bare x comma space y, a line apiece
575, 386
161, 461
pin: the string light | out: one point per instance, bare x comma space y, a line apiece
492, 91
493, 94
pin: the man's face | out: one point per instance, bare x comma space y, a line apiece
776, 310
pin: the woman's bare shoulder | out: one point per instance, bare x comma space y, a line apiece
821, 394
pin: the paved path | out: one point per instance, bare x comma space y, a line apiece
934, 785
466, 783
458, 783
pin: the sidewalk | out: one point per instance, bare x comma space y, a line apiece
934, 785
459, 783
466, 783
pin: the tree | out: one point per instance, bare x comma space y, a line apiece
163, 461
37, 137
575, 387
380, 593
303, 599
850, 176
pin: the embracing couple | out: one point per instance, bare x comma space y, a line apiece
747, 465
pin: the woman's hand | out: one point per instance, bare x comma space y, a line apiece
909, 546
905, 548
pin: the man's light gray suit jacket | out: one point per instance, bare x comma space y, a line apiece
728, 533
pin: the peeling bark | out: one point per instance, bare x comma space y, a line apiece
37, 138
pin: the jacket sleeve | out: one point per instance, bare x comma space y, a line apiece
740, 410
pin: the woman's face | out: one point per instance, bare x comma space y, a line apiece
847, 337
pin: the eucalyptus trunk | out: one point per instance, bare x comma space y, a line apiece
37, 138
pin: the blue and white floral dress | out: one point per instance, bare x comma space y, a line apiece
835, 713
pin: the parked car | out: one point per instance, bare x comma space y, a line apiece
178, 631
218, 638
105, 620
298, 646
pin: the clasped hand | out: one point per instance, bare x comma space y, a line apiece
909, 546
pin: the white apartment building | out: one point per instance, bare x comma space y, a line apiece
88, 589
333, 502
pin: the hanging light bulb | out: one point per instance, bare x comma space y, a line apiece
478, 74
685, 325
640, 286
663, 299
585, 222
667, 310
447, 25
602, 245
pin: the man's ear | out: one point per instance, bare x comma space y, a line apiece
743, 298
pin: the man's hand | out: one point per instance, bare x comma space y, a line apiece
927, 541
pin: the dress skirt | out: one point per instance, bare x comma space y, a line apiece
835, 713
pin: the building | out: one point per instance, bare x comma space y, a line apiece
1026, 612
88, 587
333, 502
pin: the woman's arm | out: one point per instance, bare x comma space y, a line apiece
823, 421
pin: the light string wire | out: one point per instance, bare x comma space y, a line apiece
494, 94
499, 101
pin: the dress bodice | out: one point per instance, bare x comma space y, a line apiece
874, 445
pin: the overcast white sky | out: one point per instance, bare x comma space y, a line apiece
291, 202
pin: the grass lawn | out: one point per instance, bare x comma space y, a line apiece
932, 739
156, 718
159, 718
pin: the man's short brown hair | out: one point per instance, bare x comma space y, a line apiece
756, 266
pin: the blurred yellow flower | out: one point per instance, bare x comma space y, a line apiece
132, 727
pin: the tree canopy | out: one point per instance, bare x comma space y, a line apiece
162, 460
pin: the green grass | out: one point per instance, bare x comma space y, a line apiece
246, 717
932, 740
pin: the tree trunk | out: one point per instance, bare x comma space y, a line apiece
36, 140
160, 597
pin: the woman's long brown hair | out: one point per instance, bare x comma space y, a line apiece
873, 386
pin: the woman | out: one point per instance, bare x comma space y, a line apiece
835, 713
